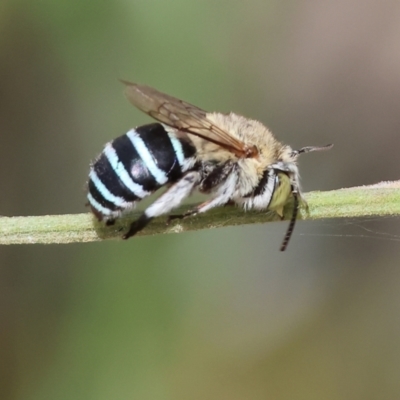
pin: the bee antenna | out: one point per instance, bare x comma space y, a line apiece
309, 149
292, 223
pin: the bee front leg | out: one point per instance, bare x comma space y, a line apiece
171, 199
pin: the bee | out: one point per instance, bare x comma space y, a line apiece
229, 157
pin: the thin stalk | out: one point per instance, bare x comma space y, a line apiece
380, 200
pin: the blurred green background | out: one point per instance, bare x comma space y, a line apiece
218, 314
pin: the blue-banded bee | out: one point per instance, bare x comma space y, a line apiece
231, 158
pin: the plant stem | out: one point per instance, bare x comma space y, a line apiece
381, 199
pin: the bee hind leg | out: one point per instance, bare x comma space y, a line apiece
171, 199
137, 226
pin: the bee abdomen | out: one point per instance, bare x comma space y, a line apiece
133, 166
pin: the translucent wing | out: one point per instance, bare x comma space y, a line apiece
183, 116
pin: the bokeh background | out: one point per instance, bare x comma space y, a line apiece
218, 314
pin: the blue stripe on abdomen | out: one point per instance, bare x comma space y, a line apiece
133, 164
111, 180
136, 164
162, 151
118, 167
99, 198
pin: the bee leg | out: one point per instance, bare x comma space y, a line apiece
175, 216
229, 203
216, 177
196, 210
223, 196
188, 213
166, 202
137, 225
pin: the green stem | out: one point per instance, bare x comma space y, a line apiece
381, 199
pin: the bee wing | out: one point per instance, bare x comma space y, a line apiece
183, 116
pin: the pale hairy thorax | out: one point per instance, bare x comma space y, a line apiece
251, 132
